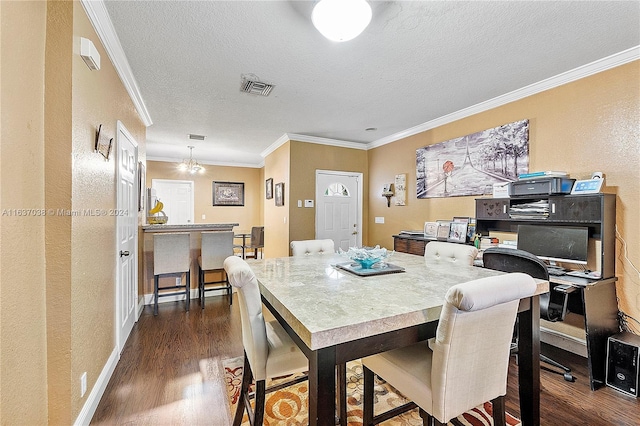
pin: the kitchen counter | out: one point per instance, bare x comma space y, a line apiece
190, 227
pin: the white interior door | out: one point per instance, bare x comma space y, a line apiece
127, 231
339, 208
177, 197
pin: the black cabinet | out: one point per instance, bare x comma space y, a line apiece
597, 212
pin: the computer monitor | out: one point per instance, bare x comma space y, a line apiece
555, 243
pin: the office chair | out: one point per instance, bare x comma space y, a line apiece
553, 305
171, 257
311, 247
465, 365
440, 251
268, 350
215, 247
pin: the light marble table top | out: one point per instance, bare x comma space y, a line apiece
327, 306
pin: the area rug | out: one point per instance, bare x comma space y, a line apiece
289, 406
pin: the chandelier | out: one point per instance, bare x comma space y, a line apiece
191, 165
341, 20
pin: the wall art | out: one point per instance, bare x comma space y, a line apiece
471, 164
228, 193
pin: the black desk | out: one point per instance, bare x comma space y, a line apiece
596, 301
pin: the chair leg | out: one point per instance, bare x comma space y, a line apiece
260, 400
367, 401
498, 411
155, 295
187, 290
229, 288
244, 391
200, 286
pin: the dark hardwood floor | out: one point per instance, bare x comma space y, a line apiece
159, 378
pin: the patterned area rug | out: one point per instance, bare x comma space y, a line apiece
289, 405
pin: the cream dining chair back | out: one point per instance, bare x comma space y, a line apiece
215, 247
268, 350
466, 363
440, 251
171, 257
312, 247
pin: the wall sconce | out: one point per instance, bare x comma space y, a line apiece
387, 192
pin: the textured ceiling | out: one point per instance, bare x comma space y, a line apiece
417, 61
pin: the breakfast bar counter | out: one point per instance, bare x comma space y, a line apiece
194, 230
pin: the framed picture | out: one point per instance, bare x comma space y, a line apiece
431, 230
280, 194
458, 232
228, 193
443, 231
268, 189
142, 183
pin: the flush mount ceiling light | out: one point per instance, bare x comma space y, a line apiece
341, 20
191, 165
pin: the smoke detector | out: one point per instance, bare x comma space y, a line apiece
251, 84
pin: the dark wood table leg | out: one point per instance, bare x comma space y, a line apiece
529, 363
341, 374
322, 387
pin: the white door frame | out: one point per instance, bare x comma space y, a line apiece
119, 339
359, 200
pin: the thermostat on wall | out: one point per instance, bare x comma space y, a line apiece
587, 186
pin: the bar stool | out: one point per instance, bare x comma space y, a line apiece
216, 246
171, 257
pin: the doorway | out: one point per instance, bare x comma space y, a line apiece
339, 208
177, 197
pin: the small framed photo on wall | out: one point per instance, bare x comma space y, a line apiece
268, 188
279, 190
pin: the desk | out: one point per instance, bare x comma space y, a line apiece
336, 317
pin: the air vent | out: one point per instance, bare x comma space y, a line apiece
255, 87
196, 137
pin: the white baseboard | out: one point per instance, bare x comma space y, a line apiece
89, 407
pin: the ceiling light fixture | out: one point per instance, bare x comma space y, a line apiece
191, 165
341, 20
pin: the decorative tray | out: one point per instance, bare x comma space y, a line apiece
355, 268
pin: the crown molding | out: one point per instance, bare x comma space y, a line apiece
595, 67
311, 139
207, 163
99, 17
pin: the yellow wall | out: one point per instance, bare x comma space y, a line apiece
247, 216
588, 125
59, 321
306, 158
276, 218
23, 345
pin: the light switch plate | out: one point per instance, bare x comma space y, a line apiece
299, 203
379, 219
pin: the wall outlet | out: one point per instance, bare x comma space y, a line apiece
83, 384
379, 219
204, 217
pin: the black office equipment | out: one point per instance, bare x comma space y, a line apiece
555, 243
542, 186
623, 363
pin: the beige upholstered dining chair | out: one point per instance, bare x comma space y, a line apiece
311, 247
215, 247
171, 257
440, 251
268, 349
466, 363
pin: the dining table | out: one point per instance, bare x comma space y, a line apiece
335, 316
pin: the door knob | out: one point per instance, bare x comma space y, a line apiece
124, 253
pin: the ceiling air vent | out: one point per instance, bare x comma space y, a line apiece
251, 85
196, 137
